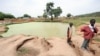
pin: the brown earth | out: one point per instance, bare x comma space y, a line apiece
22, 45
3, 29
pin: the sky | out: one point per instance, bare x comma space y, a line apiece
36, 7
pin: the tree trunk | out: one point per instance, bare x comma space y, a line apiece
51, 18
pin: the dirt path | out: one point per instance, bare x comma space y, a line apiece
60, 48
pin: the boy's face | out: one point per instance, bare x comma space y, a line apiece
92, 23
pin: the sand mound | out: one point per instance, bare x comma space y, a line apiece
35, 47
53, 46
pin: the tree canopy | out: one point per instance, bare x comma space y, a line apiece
69, 15
50, 11
5, 15
26, 15
45, 14
57, 11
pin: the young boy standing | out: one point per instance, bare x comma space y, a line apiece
69, 33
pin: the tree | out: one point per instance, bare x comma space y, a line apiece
57, 12
9, 16
26, 15
49, 8
3, 15
45, 14
51, 11
69, 15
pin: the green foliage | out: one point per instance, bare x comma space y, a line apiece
57, 11
52, 12
3, 15
9, 16
49, 6
69, 15
26, 15
45, 14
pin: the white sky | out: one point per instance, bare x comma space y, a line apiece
35, 7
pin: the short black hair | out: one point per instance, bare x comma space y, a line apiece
92, 21
70, 23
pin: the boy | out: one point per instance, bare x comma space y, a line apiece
69, 33
89, 32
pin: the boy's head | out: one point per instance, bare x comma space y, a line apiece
70, 24
92, 22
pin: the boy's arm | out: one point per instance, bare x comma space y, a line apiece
82, 29
96, 31
69, 33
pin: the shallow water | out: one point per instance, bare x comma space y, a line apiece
41, 29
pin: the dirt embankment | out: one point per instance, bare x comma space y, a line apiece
3, 29
53, 46
57, 47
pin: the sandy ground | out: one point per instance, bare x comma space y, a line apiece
2, 28
22, 45
18, 46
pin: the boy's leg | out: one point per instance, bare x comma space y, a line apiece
85, 44
69, 41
